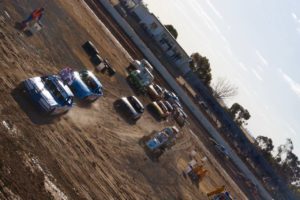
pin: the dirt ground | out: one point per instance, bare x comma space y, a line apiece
91, 152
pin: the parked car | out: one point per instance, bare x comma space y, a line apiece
222, 150
152, 93
172, 98
203, 105
86, 86
169, 106
131, 107
90, 48
159, 89
164, 107
180, 116
49, 93
163, 139
159, 109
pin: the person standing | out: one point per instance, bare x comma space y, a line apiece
36, 15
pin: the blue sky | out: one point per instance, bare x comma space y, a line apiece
256, 46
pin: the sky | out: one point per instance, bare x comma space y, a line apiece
253, 44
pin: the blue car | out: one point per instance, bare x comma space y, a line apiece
162, 138
49, 93
86, 86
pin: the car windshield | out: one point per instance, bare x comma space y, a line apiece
168, 105
89, 81
169, 131
163, 106
161, 137
158, 89
135, 104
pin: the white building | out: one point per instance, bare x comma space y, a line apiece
161, 35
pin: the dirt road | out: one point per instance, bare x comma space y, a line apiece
91, 152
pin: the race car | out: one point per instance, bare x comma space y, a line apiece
49, 93
84, 84
163, 139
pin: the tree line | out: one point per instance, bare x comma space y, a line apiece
283, 160
221, 90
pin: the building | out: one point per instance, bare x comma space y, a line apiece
164, 39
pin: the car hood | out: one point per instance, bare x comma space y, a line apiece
38, 86
80, 89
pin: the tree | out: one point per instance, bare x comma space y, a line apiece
284, 150
285, 162
264, 143
239, 114
172, 30
201, 66
288, 162
223, 89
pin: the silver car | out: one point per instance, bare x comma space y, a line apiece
131, 107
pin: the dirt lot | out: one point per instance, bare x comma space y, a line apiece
91, 152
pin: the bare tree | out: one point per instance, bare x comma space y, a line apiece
223, 89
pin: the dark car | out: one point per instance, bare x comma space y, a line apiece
159, 89
131, 107
153, 94
169, 106
90, 48
172, 98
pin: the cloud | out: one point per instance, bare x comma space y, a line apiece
297, 21
291, 129
217, 13
260, 68
209, 22
256, 74
242, 65
261, 58
197, 7
294, 86
189, 19
295, 17
247, 91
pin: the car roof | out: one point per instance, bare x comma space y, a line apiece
92, 76
157, 106
136, 100
128, 104
63, 89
